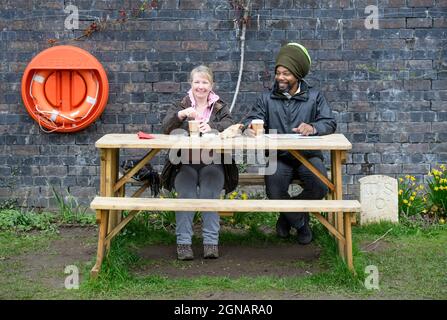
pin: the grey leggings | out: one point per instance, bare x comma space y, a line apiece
210, 181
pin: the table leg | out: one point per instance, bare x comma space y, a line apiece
104, 221
111, 171
336, 159
348, 240
122, 194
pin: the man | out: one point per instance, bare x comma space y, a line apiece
294, 107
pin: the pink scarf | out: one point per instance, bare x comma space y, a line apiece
212, 98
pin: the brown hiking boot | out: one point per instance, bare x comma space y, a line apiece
184, 252
210, 251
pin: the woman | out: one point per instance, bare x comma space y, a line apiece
201, 181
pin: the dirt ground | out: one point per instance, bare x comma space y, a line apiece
77, 245
235, 261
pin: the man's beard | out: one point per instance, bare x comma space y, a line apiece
282, 88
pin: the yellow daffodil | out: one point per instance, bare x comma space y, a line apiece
436, 188
411, 198
413, 178
413, 194
407, 176
400, 192
405, 201
244, 196
442, 167
401, 180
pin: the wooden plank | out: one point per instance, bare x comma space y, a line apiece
314, 170
329, 142
125, 178
348, 237
328, 226
120, 226
101, 243
338, 193
225, 213
121, 193
141, 190
253, 179
157, 204
111, 176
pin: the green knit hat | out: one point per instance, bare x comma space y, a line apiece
295, 58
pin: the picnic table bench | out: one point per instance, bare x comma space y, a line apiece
334, 213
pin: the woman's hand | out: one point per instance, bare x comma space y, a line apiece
204, 127
190, 113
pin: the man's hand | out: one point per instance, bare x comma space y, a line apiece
190, 113
249, 132
204, 127
304, 129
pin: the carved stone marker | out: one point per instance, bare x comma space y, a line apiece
378, 196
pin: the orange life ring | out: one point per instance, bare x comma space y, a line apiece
64, 89
56, 115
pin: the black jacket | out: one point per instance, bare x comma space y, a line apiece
220, 119
283, 114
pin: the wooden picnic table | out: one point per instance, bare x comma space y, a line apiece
111, 185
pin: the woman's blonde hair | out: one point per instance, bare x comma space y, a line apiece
203, 70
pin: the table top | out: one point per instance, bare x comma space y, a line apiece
268, 141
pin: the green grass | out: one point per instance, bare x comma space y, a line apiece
116, 280
412, 263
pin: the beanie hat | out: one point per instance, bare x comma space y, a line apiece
295, 58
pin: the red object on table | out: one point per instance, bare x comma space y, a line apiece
142, 135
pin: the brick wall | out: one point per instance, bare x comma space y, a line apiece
387, 87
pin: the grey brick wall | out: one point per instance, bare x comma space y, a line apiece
387, 87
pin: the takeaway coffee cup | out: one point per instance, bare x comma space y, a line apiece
258, 126
194, 128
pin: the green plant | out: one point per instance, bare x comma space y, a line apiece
242, 167
9, 204
19, 220
164, 219
248, 220
411, 198
70, 210
437, 194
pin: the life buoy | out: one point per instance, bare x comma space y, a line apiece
64, 89
57, 115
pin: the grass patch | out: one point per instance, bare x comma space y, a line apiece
117, 281
411, 265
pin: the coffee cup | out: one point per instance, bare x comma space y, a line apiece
258, 126
194, 128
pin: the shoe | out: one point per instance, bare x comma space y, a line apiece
282, 227
210, 251
304, 233
184, 252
